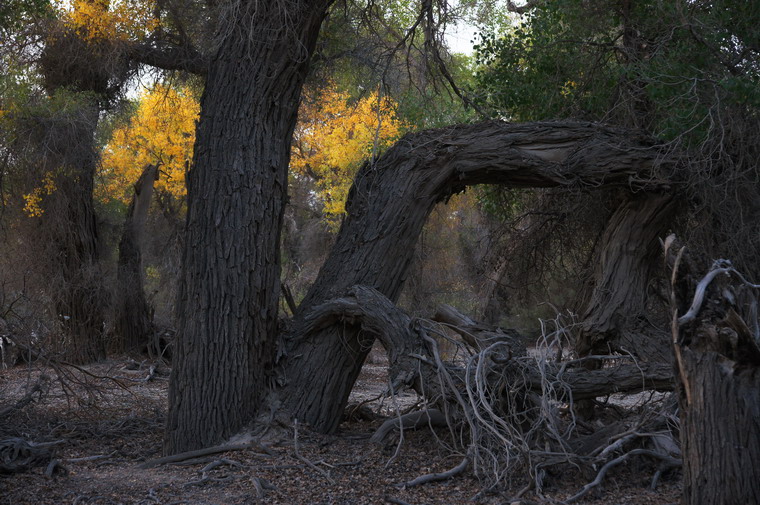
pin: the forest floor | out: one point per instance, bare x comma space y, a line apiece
111, 420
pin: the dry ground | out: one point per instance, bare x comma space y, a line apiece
121, 425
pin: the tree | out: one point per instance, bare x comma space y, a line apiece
76, 74
161, 132
636, 64
402, 187
229, 289
333, 137
687, 73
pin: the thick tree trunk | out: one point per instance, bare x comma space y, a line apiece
617, 319
62, 147
80, 298
133, 316
390, 201
718, 358
229, 284
67, 155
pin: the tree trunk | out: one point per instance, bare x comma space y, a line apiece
62, 147
134, 317
719, 398
390, 201
229, 286
67, 156
617, 319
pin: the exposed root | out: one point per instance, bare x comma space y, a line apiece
671, 462
434, 477
306, 460
183, 456
412, 420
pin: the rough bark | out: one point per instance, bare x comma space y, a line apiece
365, 309
133, 322
229, 285
390, 201
616, 317
80, 297
61, 148
719, 398
60, 144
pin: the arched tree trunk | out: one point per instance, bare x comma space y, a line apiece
390, 201
134, 317
229, 286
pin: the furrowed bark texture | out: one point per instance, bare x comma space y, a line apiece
390, 201
81, 299
60, 146
615, 319
236, 194
133, 322
365, 308
719, 399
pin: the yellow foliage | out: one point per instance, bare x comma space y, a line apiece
335, 135
33, 200
162, 132
109, 19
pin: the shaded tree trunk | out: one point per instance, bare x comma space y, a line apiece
617, 318
389, 203
134, 317
80, 298
62, 145
719, 398
229, 286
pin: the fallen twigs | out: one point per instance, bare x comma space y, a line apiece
395, 501
38, 390
90, 458
19, 455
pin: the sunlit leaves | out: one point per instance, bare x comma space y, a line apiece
335, 135
109, 19
161, 132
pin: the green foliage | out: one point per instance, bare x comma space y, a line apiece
661, 66
15, 14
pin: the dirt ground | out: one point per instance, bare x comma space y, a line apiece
102, 436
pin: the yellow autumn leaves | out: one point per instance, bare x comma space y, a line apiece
108, 19
333, 137
162, 133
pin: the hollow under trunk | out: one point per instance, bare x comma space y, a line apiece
389, 203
